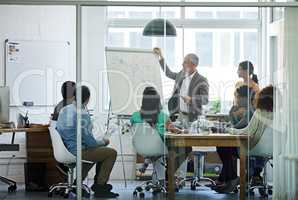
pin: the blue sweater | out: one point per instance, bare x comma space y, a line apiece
67, 128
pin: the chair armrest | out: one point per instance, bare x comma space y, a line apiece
87, 161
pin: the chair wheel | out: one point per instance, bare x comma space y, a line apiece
142, 195
66, 195
147, 188
155, 192
61, 192
236, 190
139, 189
251, 192
262, 192
50, 194
193, 187
57, 191
270, 192
12, 188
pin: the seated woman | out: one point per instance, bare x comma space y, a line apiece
240, 115
151, 112
242, 111
261, 119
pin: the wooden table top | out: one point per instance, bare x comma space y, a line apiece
31, 129
209, 136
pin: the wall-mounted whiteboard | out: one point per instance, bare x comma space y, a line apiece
36, 69
129, 72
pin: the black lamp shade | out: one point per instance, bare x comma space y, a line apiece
159, 28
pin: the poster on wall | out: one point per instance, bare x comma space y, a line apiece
13, 53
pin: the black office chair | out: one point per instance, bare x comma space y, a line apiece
264, 188
12, 185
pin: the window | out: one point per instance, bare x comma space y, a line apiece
204, 46
236, 48
222, 13
225, 50
132, 12
136, 40
116, 39
220, 48
250, 47
143, 12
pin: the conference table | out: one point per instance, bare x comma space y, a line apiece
202, 140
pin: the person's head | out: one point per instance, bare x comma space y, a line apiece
244, 96
151, 105
190, 63
264, 99
246, 69
68, 89
85, 94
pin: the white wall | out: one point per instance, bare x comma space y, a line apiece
49, 23
36, 23
55, 23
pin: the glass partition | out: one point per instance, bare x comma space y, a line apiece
215, 102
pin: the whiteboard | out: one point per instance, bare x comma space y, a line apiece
129, 72
35, 70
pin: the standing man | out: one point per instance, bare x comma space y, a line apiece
191, 89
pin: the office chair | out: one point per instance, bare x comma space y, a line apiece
147, 143
198, 177
264, 188
62, 155
12, 185
264, 149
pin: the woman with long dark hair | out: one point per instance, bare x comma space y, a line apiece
151, 112
246, 72
240, 115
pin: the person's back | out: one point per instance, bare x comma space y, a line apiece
66, 126
93, 150
160, 125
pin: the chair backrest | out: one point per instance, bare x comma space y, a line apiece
61, 154
147, 141
53, 123
265, 145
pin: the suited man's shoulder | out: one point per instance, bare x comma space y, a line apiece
200, 77
180, 75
